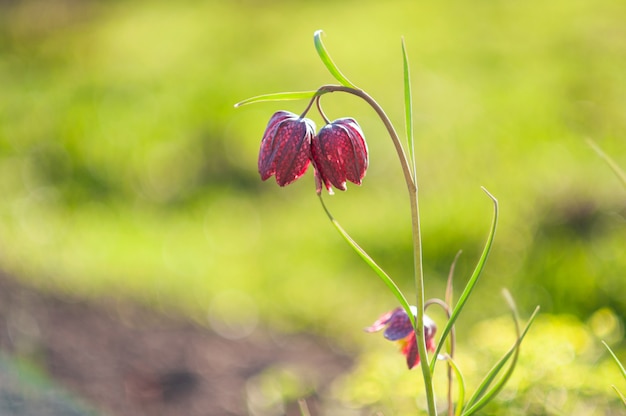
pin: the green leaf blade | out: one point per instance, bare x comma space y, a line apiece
483, 396
461, 380
279, 96
621, 175
395, 290
408, 108
328, 62
471, 282
617, 361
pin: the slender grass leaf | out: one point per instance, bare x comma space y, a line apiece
619, 393
449, 298
450, 283
472, 281
621, 367
488, 380
609, 161
482, 397
328, 62
619, 364
461, 380
279, 96
370, 262
408, 108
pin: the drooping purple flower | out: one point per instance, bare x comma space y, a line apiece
286, 147
399, 328
339, 153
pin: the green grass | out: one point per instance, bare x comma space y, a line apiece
126, 171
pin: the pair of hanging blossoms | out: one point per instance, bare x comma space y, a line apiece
338, 153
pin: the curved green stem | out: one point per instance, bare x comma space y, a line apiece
386, 121
416, 231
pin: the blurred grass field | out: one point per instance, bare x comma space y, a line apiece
125, 171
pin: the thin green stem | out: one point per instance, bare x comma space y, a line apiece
386, 121
416, 231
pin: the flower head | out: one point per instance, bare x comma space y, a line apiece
339, 153
399, 328
286, 147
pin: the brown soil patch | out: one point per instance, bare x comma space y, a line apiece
126, 360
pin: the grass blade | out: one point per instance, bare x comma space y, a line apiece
619, 364
619, 393
609, 161
370, 262
461, 380
279, 96
472, 281
408, 108
449, 298
621, 367
481, 397
328, 62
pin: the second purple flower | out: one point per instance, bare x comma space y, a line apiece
398, 327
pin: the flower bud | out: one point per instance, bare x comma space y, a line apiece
339, 153
286, 147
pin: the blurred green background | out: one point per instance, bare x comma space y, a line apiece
125, 171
